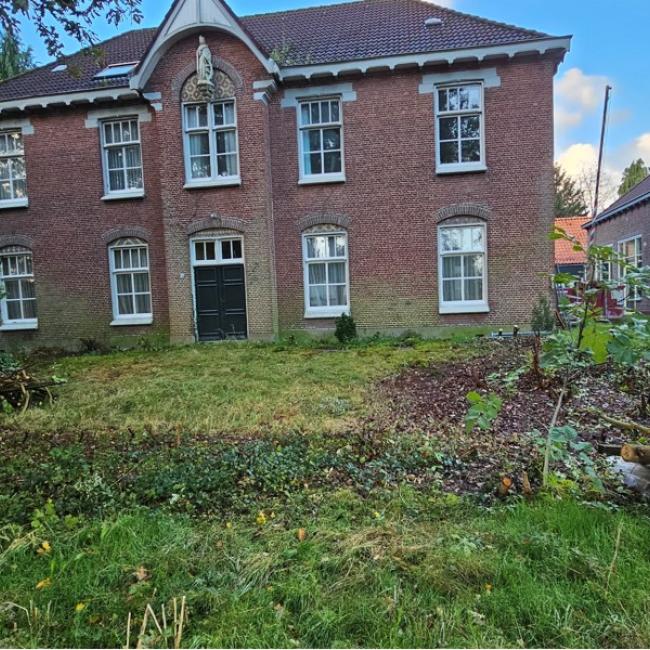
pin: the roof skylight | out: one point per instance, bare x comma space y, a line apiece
116, 70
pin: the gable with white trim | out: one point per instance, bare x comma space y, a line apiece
192, 16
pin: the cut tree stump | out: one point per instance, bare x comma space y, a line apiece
636, 454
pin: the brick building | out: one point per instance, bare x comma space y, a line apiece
625, 226
226, 176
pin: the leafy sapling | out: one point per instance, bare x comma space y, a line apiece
483, 411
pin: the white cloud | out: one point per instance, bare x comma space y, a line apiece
443, 3
580, 161
577, 95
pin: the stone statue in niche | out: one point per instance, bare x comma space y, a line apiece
204, 66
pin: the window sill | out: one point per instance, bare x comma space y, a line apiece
18, 326
126, 322
321, 178
461, 168
231, 181
123, 196
327, 313
14, 203
464, 308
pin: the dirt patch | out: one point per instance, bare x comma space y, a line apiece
432, 400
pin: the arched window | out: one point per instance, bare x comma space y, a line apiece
18, 303
462, 265
130, 282
326, 275
210, 133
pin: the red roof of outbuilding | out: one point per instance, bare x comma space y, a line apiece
564, 253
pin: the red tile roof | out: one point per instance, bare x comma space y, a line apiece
329, 34
564, 253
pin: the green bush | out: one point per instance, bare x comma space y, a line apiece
346, 328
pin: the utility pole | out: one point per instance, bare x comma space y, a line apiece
603, 127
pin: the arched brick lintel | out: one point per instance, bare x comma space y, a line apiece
219, 64
125, 232
311, 220
16, 240
215, 221
467, 209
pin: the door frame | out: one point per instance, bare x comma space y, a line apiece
240, 261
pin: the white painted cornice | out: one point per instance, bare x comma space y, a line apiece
68, 99
466, 55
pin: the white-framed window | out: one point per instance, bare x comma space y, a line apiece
462, 269
604, 268
210, 251
13, 175
460, 136
122, 158
211, 143
631, 251
130, 282
320, 140
326, 274
18, 303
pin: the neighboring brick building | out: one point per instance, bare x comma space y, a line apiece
391, 158
568, 260
625, 226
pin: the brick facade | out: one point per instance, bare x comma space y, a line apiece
391, 203
634, 222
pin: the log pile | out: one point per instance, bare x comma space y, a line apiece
19, 389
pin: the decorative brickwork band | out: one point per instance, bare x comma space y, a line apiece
219, 65
125, 232
312, 220
16, 240
463, 210
215, 221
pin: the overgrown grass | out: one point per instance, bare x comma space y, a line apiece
241, 388
404, 569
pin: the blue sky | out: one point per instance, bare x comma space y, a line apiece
609, 40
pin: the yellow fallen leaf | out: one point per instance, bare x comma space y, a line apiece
301, 534
229, 525
44, 548
79, 607
44, 584
261, 519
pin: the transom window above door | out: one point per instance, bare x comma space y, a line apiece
320, 128
326, 276
459, 128
208, 252
211, 144
462, 269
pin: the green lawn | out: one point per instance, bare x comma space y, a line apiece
401, 569
238, 388
185, 473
